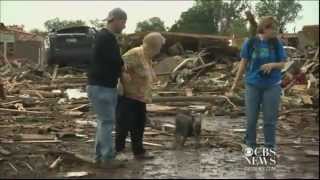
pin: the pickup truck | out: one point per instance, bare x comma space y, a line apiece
71, 46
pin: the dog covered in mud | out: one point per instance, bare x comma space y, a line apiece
188, 124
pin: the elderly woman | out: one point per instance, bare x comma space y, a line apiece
262, 57
136, 84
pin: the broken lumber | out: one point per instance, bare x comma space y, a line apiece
76, 174
211, 98
184, 98
295, 110
164, 74
13, 167
37, 141
24, 112
28, 165
59, 86
11, 102
73, 113
158, 108
71, 79
204, 66
30, 137
42, 94
4, 152
55, 163
79, 107
55, 72
147, 143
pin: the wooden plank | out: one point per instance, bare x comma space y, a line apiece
33, 141
147, 143
23, 112
79, 107
159, 108
36, 137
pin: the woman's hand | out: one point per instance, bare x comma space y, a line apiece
124, 67
126, 76
267, 68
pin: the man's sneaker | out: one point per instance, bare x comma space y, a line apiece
144, 156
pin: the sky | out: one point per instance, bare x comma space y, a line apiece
32, 14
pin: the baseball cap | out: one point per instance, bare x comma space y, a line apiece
116, 13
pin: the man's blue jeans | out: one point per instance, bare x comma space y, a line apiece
268, 98
104, 102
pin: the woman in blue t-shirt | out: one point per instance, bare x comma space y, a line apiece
262, 58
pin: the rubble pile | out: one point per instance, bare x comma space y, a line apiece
46, 114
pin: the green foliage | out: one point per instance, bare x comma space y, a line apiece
285, 11
195, 21
96, 23
56, 24
38, 32
212, 17
152, 24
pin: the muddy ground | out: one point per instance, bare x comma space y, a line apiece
219, 156
40, 123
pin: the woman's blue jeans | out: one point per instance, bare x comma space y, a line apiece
266, 99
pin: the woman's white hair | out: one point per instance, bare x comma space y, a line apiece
154, 37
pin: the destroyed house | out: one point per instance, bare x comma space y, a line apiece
22, 44
308, 36
189, 41
180, 43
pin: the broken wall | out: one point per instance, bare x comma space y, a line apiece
309, 36
27, 49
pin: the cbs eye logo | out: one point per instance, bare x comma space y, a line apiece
248, 152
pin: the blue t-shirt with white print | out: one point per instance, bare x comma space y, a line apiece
261, 55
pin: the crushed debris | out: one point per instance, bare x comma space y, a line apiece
46, 112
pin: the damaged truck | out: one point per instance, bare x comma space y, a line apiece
71, 46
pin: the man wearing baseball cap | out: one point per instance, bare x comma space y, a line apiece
103, 74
